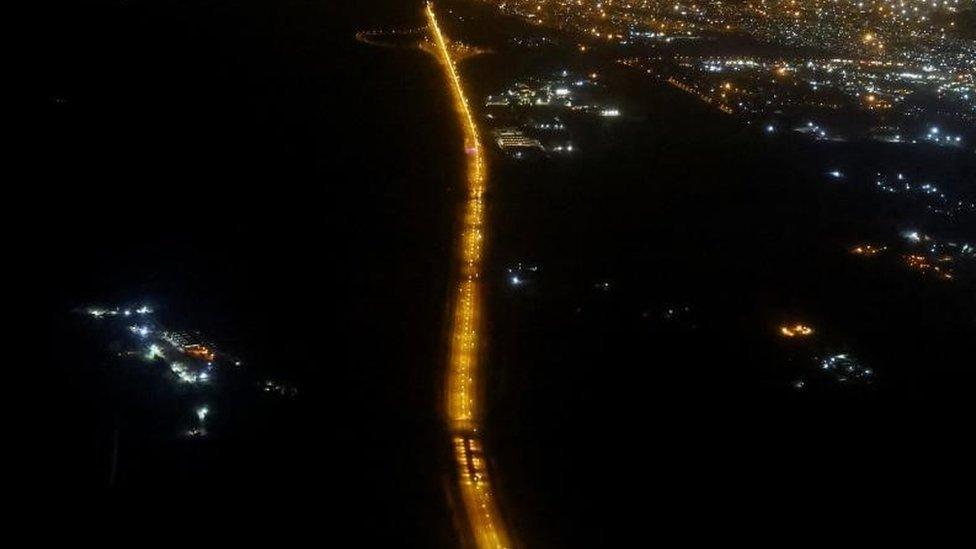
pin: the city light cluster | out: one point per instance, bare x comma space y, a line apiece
796, 330
184, 358
903, 62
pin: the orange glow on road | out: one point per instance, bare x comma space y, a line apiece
463, 404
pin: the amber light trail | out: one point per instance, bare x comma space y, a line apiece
462, 398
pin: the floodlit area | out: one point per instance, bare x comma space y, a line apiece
186, 359
926, 254
539, 115
845, 368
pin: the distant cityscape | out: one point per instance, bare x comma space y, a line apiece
899, 71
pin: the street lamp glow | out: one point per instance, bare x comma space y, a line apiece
796, 330
462, 402
153, 352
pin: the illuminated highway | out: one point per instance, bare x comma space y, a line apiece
462, 397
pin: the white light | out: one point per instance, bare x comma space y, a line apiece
934, 131
516, 280
153, 352
202, 412
770, 129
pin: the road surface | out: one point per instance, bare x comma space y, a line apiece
463, 404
